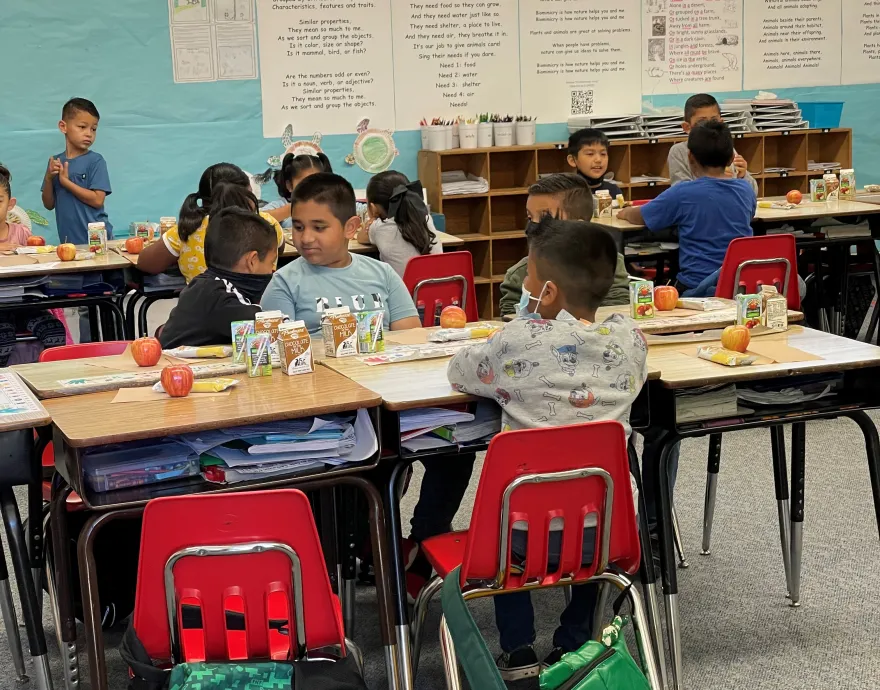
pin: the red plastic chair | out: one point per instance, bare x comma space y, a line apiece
441, 280
534, 476
754, 261
234, 576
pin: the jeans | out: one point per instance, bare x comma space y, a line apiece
650, 460
515, 616
44, 327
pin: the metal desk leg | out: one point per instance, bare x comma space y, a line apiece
780, 479
798, 461
10, 620
349, 500
712, 466
61, 594
401, 608
872, 445
667, 557
27, 591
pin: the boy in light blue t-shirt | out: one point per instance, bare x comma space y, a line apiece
327, 275
76, 181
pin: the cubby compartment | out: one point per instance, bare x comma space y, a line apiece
783, 150
648, 160
516, 169
751, 147
780, 186
508, 214
494, 302
467, 217
553, 160
488, 297
650, 190
830, 147
505, 253
481, 255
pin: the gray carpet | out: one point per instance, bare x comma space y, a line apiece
738, 631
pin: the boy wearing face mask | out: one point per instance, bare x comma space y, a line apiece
594, 370
240, 251
566, 196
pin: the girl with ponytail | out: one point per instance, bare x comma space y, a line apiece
400, 225
294, 169
184, 243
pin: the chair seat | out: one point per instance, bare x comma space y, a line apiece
445, 552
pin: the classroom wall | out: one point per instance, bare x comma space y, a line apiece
158, 136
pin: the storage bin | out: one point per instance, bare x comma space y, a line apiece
821, 114
136, 464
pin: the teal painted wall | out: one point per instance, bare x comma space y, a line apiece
158, 136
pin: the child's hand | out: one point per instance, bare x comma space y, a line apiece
742, 167
54, 167
64, 173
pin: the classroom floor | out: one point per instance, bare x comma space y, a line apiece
737, 629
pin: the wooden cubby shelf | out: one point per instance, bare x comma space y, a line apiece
492, 224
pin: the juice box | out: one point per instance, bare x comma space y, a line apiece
339, 327
641, 299
369, 331
775, 308
268, 322
295, 348
848, 184
97, 238
832, 187
748, 310
818, 191
166, 223
259, 361
240, 331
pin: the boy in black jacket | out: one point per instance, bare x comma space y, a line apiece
240, 250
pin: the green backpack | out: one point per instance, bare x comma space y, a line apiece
231, 676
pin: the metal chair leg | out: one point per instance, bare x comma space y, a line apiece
601, 605
68, 650
420, 611
798, 451
682, 561
10, 621
450, 663
566, 594
712, 468
780, 479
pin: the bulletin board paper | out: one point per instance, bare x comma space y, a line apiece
454, 58
579, 58
325, 66
860, 59
791, 43
691, 45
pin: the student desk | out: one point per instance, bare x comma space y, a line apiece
860, 365
90, 420
21, 465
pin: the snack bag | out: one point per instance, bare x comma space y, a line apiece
818, 191
728, 358
775, 308
832, 187
339, 328
295, 348
641, 299
748, 310
240, 331
97, 238
202, 352
848, 184
370, 336
259, 359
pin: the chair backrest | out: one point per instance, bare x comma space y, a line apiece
84, 350
236, 576
754, 261
446, 287
536, 475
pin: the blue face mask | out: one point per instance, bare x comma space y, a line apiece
522, 308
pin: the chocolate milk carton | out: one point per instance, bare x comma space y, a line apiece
268, 322
339, 328
295, 348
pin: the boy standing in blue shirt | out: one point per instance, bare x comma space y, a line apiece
76, 181
709, 211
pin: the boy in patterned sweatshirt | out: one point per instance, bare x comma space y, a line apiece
554, 366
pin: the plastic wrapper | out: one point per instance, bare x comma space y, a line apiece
208, 352
204, 385
728, 358
445, 335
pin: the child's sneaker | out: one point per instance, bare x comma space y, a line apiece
520, 663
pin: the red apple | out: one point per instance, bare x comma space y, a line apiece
36, 241
134, 245
736, 338
146, 351
177, 380
453, 317
794, 197
66, 251
665, 297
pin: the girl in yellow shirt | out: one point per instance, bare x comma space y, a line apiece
185, 242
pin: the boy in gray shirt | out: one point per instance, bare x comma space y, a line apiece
554, 366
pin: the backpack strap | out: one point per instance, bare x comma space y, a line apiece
145, 675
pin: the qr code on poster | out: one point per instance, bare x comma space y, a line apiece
582, 102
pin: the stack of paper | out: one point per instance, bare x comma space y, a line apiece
421, 431
664, 125
431, 418
459, 182
616, 128
739, 121
769, 115
648, 178
819, 166
708, 402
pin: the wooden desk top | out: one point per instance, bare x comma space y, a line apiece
16, 266
23, 411
615, 224
93, 420
680, 370
685, 320
815, 209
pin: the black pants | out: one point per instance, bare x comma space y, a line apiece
443, 487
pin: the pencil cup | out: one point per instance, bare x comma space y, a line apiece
467, 135
425, 129
449, 129
504, 133
437, 135
525, 133
456, 137
484, 134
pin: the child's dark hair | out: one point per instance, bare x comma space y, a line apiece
698, 101
226, 194
329, 189
196, 205
403, 201
233, 232
75, 105
292, 167
5, 180
579, 257
711, 144
586, 137
573, 191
